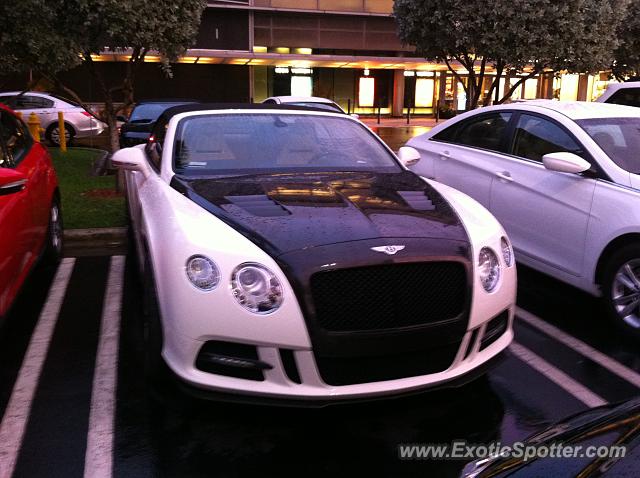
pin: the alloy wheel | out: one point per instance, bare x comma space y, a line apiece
55, 230
625, 293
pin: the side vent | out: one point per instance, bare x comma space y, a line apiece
417, 200
259, 205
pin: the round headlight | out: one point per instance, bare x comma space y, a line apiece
256, 288
507, 253
489, 269
202, 273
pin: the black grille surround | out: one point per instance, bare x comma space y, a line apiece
405, 348
389, 296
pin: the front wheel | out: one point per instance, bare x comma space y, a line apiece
54, 240
621, 289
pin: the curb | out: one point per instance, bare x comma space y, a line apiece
95, 241
97, 234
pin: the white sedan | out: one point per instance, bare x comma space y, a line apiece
289, 255
79, 123
563, 178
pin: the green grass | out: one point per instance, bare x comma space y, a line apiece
82, 203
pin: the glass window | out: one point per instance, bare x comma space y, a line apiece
618, 137
626, 96
14, 139
323, 106
149, 112
486, 131
251, 143
28, 102
535, 136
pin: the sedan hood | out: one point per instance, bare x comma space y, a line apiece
287, 212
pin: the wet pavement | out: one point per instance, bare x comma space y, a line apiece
161, 432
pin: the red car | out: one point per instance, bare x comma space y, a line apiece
30, 219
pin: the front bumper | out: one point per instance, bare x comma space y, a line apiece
278, 387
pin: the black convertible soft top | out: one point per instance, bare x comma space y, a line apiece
176, 110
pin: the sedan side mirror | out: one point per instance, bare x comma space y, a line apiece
408, 156
565, 163
131, 159
11, 181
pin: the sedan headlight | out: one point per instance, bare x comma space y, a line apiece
256, 288
489, 269
507, 252
203, 273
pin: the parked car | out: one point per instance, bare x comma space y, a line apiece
137, 128
30, 218
79, 123
563, 178
600, 442
292, 256
622, 94
310, 101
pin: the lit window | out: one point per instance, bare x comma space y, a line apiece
424, 92
366, 92
301, 86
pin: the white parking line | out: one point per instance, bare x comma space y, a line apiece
14, 422
592, 354
98, 462
557, 376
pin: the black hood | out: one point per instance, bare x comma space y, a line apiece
288, 212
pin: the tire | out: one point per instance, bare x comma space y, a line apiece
55, 234
621, 289
53, 134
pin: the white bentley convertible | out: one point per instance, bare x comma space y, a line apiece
289, 255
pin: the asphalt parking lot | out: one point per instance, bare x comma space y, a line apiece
74, 404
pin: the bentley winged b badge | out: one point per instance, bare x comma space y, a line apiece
389, 250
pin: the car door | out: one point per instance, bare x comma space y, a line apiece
464, 155
545, 212
16, 220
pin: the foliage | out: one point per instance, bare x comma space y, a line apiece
50, 36
627, 55
513, 36
87, 201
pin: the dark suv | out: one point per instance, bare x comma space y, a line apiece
137, 129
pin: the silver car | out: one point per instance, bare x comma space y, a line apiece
79, 123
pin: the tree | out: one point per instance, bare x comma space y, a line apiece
627, 55
51, 36
512, 36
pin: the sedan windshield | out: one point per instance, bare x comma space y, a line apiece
259, 143
149, 112
314, 104
619, 138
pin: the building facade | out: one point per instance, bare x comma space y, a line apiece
345, 50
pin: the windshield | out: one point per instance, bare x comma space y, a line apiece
149, 112
258, 143
619, 138
322, 106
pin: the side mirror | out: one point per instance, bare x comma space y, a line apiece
355, 116
565, 163
131, 159
408, 155
11, 181
121, 118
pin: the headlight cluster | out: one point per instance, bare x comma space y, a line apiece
254, 286
203, 273
488, 269
507, 252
